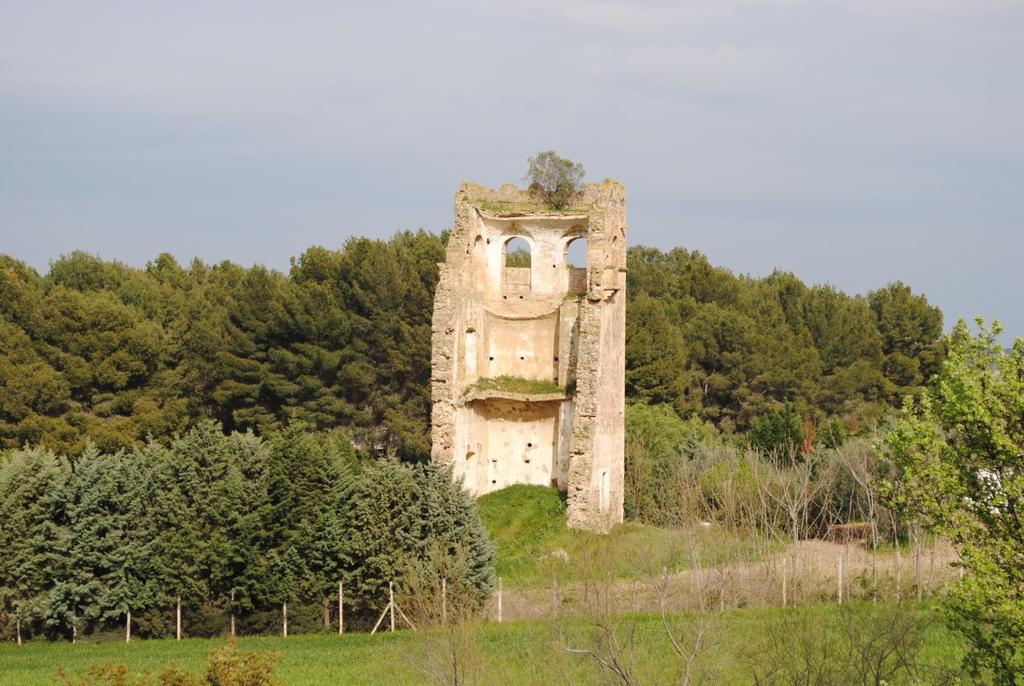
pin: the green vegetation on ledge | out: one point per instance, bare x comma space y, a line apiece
518, 208
514, 384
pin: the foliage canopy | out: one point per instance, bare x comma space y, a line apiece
102, 352
958, 460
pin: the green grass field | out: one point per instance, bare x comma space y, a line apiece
511, 653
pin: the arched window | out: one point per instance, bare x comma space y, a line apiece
516, 261
517, 252
576, 252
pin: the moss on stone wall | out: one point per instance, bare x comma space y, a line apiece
514, 384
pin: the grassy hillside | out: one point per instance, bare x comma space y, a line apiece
534, 544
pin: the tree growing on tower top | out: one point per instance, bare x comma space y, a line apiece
556, 177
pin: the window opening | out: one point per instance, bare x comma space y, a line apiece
516, 261
576, 252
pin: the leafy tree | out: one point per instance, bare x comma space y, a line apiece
556, 177
97, 350
957, 460
656, 442
655, 355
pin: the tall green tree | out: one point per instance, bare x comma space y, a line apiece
33, 484
103, 572
958, 461
400, 515
911, 332
306, 489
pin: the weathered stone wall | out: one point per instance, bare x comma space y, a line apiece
547, 323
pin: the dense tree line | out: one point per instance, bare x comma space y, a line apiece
99, 351
230, 524
735, 349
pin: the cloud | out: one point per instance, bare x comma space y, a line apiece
725, 118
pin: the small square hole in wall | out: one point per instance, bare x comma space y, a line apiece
520, 297
494, 481
529, 445
521, 357
504, 297
491, 358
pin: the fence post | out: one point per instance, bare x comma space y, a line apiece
284, 618
341, 608
783, 582
17, 629
839, 578
499, 600
232, 613
391, 604
899, 567
917, 562
177, 633
128, 628
931, 564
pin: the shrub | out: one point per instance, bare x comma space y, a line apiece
779, 432
225, 666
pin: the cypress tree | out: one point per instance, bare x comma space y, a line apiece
32, 487
401, 516
305, 492
107, 558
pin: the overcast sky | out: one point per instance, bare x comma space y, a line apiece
854, 143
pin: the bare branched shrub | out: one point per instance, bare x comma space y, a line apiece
692, 635
868, 644
608, 632
446, 615
612, 630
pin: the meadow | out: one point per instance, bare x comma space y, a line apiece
738, 645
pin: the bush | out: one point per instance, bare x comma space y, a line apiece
225, 666
779, 432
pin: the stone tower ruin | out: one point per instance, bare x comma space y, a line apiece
528, 367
